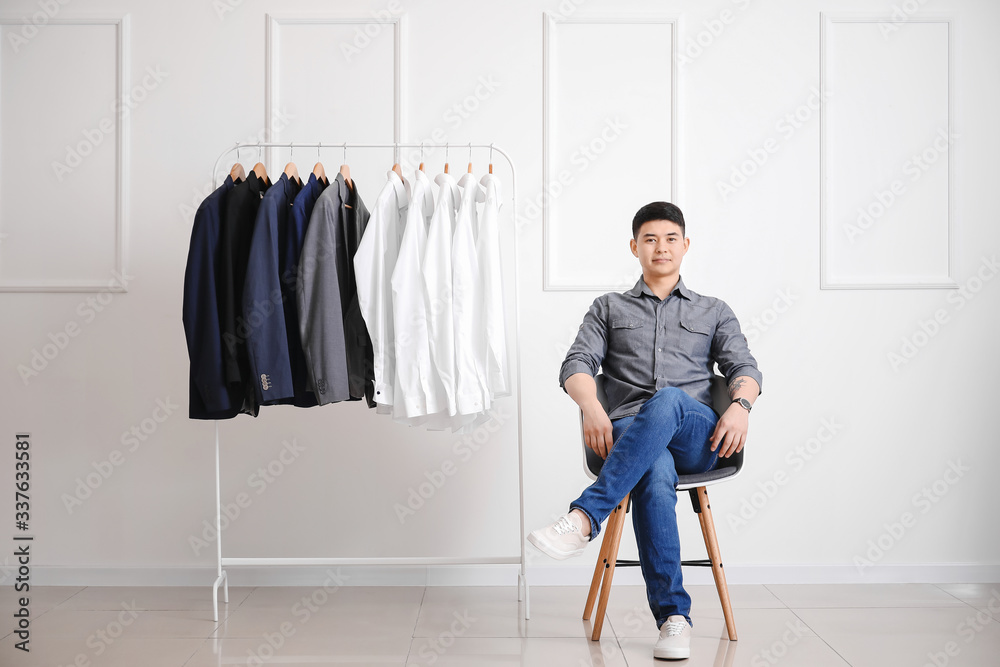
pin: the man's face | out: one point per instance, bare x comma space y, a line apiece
660, 248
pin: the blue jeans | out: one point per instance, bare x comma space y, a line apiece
668, 437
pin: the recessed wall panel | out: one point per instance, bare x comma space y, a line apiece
887, 150
609, 145
59, 147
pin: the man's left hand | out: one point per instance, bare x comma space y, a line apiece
731, 431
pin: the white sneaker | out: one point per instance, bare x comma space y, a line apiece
561, 540
675, 639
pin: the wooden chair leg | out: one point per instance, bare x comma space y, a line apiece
602, 559
609, 569
714, 555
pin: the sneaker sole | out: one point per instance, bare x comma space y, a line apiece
671, 653
539, 543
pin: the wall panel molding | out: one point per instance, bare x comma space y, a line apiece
554, 178
114, 281
875, 237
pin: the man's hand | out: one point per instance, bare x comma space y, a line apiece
597, 429
731, 431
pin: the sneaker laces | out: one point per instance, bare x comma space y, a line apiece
564, 525
675, 628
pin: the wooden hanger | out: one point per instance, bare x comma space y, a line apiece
260, 171
446, 158
292, 172
237, 173
319, 172
399, 171
421, 167
345, 171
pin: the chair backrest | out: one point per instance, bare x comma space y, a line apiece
720, 403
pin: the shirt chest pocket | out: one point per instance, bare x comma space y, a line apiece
695, 339
627, 334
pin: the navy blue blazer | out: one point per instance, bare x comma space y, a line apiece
263, 298
291, 253
209, 395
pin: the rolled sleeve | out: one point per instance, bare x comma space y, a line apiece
587, 351
731, 351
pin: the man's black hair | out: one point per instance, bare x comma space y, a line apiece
657, 210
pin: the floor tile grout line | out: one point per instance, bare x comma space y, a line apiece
821, 637
416, 622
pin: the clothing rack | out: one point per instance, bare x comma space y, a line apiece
522, 581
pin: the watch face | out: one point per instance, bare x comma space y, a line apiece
746, 404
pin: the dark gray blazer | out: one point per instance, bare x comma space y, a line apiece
335, 340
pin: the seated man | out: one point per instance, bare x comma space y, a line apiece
656, 344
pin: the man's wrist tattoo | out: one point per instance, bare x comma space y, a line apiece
735, 386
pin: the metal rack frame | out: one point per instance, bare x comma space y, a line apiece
522, 581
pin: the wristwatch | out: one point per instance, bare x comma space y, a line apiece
744, 403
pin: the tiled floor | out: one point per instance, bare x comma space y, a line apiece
792, 625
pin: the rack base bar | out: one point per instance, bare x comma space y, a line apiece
429, 560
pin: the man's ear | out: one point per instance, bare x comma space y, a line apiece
634, 247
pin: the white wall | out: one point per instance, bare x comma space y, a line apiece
824, 353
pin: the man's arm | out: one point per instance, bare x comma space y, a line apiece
731, 430
596, 425
730, 350
577, 376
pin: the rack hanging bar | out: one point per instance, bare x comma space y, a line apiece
522, 579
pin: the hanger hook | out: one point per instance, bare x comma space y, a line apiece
421, 151
345, 152
237, 151
258, 152
446, 153
470, 152
318, 146
291, 151
491, 152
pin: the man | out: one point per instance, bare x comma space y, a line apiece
656, 344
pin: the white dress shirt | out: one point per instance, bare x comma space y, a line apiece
437, 277
488, 253
374, 263
471, 392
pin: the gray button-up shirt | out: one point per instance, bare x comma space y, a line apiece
643, 343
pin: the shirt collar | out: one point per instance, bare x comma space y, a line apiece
641, 288
402, 188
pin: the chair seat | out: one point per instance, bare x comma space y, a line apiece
704, 478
